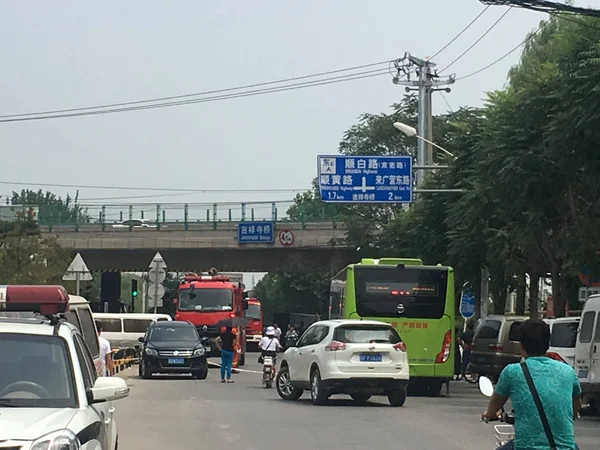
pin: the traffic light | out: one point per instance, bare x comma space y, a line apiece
134, 289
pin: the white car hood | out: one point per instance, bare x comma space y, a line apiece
28, 424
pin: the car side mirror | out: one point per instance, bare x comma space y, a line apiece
107, 389
141, 339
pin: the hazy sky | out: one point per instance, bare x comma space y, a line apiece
66, 54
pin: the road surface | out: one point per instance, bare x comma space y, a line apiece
182, 413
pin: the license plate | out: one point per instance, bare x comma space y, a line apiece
207, 349
583, 373
370, 357
176, 361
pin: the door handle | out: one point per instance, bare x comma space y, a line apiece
312, 351
299, 353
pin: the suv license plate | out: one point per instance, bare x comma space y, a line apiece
370, 357
176, 361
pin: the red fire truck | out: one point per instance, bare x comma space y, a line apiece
254, 329
205, 300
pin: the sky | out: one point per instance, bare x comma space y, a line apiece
69, 54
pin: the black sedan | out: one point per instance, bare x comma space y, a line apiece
173, 347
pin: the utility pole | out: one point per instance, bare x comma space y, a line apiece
427, 81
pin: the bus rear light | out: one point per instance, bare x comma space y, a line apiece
334, 346
46, 300
495, 347
400, 347
444, 354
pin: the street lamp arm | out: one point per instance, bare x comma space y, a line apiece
436, 146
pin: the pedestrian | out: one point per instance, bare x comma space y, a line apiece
457, 356
545, 394
466, 342
277, 331
226, 342
106, 362
291, 337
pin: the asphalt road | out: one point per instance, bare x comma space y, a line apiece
182, 413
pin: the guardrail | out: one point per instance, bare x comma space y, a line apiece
123, 359
161, 215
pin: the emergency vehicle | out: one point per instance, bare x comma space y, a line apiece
254, 329
49, 391
205, 300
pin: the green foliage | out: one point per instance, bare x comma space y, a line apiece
52, 209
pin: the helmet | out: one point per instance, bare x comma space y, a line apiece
270, 331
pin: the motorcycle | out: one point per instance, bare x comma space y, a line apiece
503, 433
268, 371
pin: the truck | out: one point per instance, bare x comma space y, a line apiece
205, 300
254, 329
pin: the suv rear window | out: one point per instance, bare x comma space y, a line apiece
564, 335
514, 334
488, 329
364, 334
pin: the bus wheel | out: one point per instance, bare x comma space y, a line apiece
435, 388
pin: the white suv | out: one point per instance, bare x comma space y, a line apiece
360, 358
50, 396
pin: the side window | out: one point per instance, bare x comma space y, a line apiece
587, 327
72, 319
85, 362
135, 325
308, 338
110, 325
88, 329
321, 333
597, 334
514, 332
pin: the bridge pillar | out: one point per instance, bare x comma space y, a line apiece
110, 291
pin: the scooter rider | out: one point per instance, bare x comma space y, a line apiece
269, 344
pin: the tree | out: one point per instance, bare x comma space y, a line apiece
52, 209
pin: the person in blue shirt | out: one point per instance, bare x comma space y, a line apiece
557, 387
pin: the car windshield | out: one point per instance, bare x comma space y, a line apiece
564, 335
212, 299
253, 312
173, 334
35, 372
366, 334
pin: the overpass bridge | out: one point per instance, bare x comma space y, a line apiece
198, 246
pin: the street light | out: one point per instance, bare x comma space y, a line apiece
411, 132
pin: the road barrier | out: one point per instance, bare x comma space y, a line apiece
123, 358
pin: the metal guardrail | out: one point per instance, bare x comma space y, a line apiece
186, 214
123, 359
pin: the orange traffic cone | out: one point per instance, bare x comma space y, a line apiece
236, 348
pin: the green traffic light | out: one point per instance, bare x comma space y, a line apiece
134, 293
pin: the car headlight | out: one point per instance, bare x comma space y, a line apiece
151, 352
199, 351
57, 440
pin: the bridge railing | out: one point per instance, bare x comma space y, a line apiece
159, 216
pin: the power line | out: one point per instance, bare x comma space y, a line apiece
446, 101
461, 32
195, 94
290, 87
478, 40
493, 63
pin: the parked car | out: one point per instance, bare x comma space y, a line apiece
173, 347
496, 344
360, 358
563, 337
587, 352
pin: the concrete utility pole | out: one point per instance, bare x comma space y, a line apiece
428, 81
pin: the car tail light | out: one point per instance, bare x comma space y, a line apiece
495, 347
444, 354
400, 347
334, 346
556, 357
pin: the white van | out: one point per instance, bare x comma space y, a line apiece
123, 330
587, 352
563, 337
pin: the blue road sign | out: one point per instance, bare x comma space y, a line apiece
467, 305
255, 232
365, 179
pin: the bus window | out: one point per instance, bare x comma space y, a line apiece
393, 292
110, 325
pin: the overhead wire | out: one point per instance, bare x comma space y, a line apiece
461, 32
289, 87
195, 94
459, 57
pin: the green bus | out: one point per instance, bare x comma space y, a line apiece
417, 300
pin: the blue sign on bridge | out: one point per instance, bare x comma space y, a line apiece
255, 232
467, 305
365, 179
